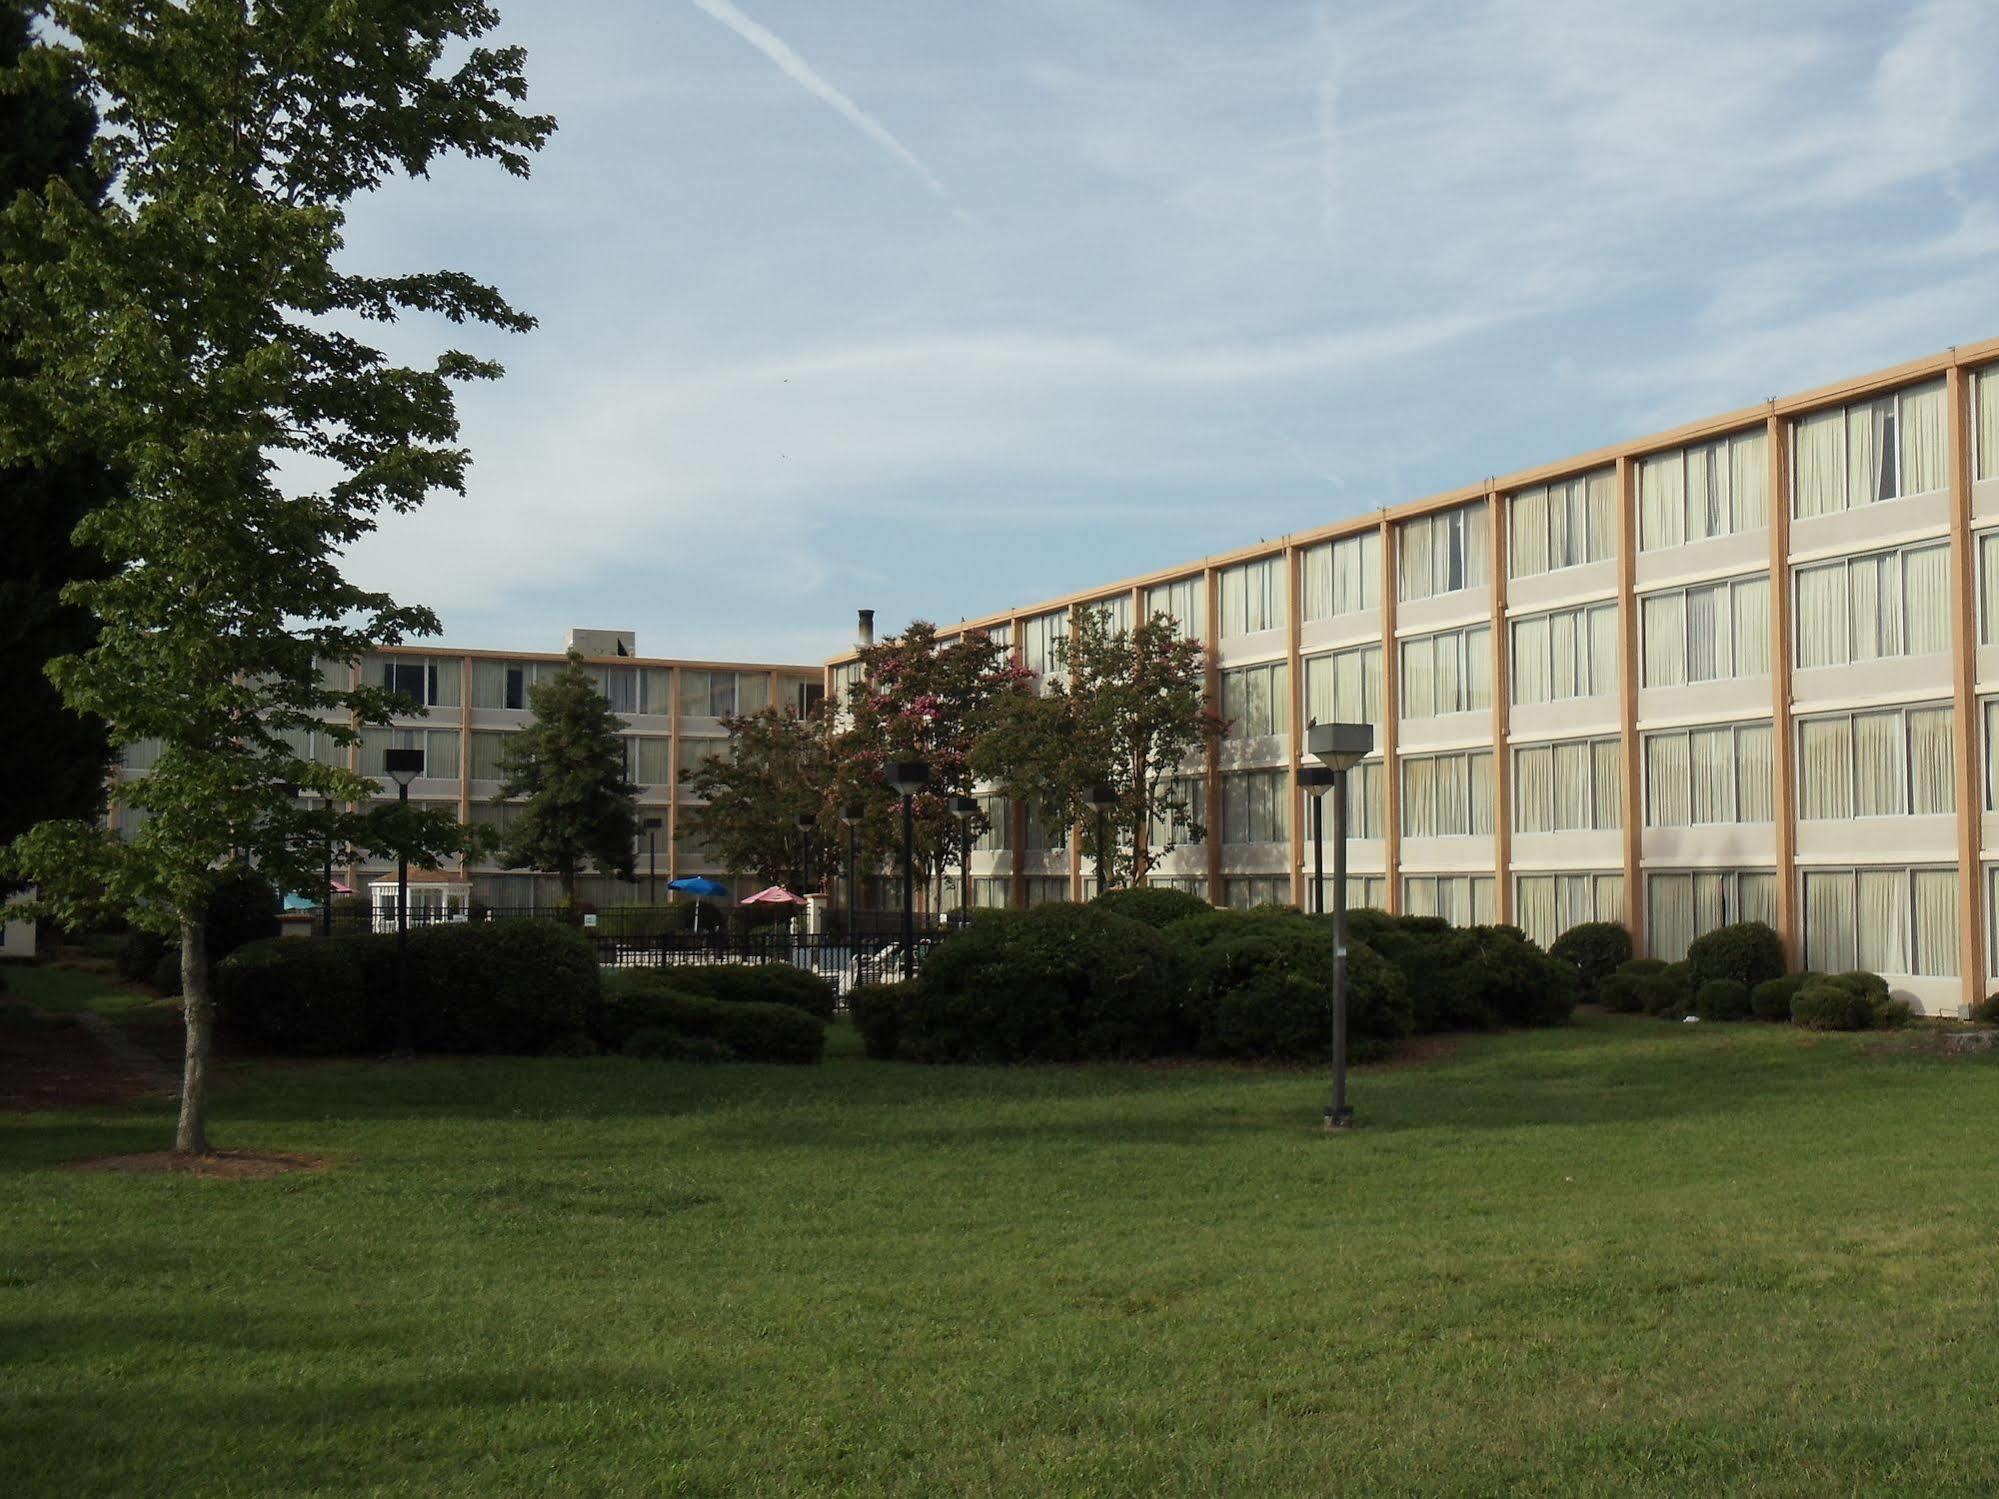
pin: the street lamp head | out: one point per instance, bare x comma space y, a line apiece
1317, 779
964, 807
906, 777
807, 821
1339, 746
853, 813
653, 824
1101, 795
402, 765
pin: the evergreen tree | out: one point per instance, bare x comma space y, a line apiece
567, 771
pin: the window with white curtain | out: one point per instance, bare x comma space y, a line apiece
1985, 423
1681, 905
722, 694
1367, 803
1717, 773
1705, 632
1444, 552
1460, 899
439, 746
997, 835
1255, 806
1193, 884
647, 758
1885, 762
1172, 826
1115, 612
1344, 686
144, 754
1365, 892
1445, 796
1448, 672
432, 681
1569, 653
1719, 488
1572, 786
1988, 588
1547, 905
1245, 892
1340, 577
1256, 700
1873, 450
1251, 597
1184, 600
1563, 524
1040, 640
1889, 603
1892, 921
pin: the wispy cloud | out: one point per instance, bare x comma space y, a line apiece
807, 77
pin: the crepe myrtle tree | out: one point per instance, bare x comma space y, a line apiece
195, 334
775, 767
1121, 708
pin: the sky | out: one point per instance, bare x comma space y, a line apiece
942, 308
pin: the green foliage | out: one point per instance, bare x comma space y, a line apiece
1622, 992
243, 907
1156, 905
643, 1015
139, 955
1056, 983
1747, 951
1470, 978
778, 766
1830, 1006
1986, 1010
1723, 999
1513, 981
1648, 985
1771, 999
756, 983
1259, 984
876, 1010
564, 775
310, 998
166, 974
1595, 949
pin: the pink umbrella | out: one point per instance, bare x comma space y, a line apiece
775, 895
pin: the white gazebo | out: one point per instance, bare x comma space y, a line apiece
436, 896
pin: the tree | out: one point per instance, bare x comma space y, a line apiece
1121, 708
569, 765
53, 761
196, 333
778, 767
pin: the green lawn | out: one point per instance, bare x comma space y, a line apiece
66, 989
1624, 1257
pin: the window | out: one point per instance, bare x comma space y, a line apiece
1041, 639
1446, 796
439, 746
1892, 603
1251, 597
427, 680
1720, 488
694, 753
800, 695
1256, 700
1889, 762
646, 760
1044, 890
144, 754
1461, 899
1365, 892
1988, 585
1547, 905
1707, 775
1898, 921
1573, 786
1367, 803
723, 694
1563, 524
1705, 633
316, 745
485, 751
1341, 577
1245, 891
1116, 613
1874, 450
1569, 653
1985, 423
1254, 806
1344, 686
1444, 552
1183, 600
1184, 809
1449, 672
1688, 904
1193, 884
1040, 834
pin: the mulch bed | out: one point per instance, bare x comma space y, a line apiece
218, 1165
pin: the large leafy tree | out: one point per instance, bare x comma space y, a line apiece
567, 772
197, 334
777, 768
53, 759
1126, 709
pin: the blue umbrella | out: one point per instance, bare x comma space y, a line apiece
698, 884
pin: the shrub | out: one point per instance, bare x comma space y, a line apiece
757, 983
1596, 949
1747, 951
1771, 999
1828, 1005
1427, 951
1509, 979
1723, 999
1986, 1010
876, 1010
1260, 984
1622, 992
243, 907
1649, 986
166, 974
1156, 906
661, 1043
686, 1027
305, 997
1054, 983
139, 957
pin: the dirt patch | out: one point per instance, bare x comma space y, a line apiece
58, 1064
219, 1165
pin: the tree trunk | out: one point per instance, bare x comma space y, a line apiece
198, 1011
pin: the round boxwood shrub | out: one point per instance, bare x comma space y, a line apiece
1622, 992
1156, 906
1723, 999
1986, 1010
1747, 951
757, 983
1771, 999
686, 1027
243, 907
139, 956
876, 1010
1260, 984
1511, 981
305, 998
1596, 949
1830, 1006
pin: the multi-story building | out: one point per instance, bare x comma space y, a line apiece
1747, 668
472, 700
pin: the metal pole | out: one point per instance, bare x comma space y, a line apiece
326, 906
1100, 850
853, 877
403, 1046
965, 872
908, 888
1338, 1115
652, 867
1319, 854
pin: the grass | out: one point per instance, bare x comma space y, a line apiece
69, 990
1620, 1257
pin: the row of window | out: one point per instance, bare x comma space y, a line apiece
433, 682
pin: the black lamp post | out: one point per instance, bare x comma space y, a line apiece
1103, 797
906, 778
1338, 747
852, 814
652, 825
1316, 780
403, 766
964, 808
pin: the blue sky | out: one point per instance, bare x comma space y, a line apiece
941, 308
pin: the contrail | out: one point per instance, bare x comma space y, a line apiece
801, 72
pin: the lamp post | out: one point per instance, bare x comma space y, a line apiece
852, 814
326, 900
964, 808
1317, 781
807, 821
403, 766
1338, 747
906, 778
652, 825
1103, 797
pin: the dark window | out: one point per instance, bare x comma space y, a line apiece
416, 679
516, 687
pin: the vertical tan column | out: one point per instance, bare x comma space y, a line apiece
1391, 715
1502, 700
1076, 888
464, 750
1627, 691
1017, 810
1783, 753
354, 764
1964, 685
1210, 634
1141, 844
1294, 736
673, 777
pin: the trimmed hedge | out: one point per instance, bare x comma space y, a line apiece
1260, 984
1747, 951
876, 1010
756, 983
1470, 978
686, 1027
1596, 950
1771, 999
1156, 906
1723, 999
166, 973
1986, 1010
1853, 1001
1648, 986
